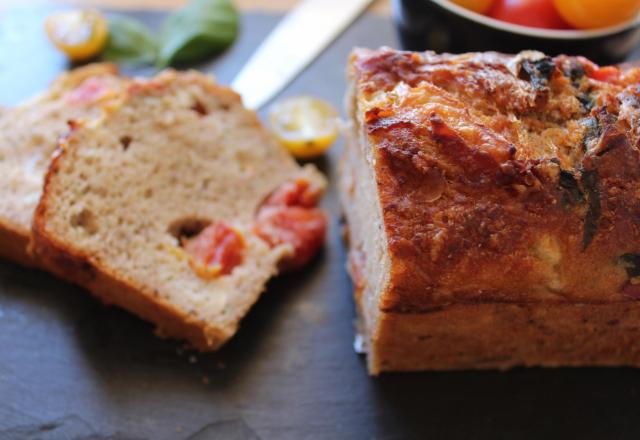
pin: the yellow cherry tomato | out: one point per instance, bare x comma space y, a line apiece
306, 126
592, 14
79, 34
479, 6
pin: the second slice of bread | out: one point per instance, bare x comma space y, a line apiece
29, 135
178, 153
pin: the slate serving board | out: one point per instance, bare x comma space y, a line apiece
73, 369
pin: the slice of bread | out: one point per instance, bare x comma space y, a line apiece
28, 136
127, 196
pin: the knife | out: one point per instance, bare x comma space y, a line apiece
296, 41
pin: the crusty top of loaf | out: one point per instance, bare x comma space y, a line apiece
501, 178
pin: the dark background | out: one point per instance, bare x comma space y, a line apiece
73, 369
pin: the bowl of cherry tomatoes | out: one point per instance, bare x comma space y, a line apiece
605, 31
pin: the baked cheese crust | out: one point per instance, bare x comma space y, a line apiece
502, 178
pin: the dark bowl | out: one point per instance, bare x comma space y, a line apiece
443, 26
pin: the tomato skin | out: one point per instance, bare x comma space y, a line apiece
357, 261
90, 91
631, 290
479, 6
295, 193
593, 14
289, 216
605, 74
216, 250
532, 13
302, 228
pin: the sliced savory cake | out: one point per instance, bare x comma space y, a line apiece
29, 135
178, 206
493, 205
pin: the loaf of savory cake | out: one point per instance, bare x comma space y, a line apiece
493, 209
178, 206
29, 135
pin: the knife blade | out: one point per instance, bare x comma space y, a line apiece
295, 42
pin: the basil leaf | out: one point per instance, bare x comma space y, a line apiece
130, 42
201, 29
591, 185
572, 193
538, 72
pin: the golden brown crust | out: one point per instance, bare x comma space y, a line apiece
112, 291
501, 336
73, 266
14, 245
502, 179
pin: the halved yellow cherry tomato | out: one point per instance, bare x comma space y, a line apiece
306, 126
79, 34
591, 14
479, 6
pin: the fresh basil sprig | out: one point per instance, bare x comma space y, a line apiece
130, 42
199, 30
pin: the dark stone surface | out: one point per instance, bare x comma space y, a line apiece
73, 369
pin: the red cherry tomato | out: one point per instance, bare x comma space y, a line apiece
533, 13
479, 6
631, 290
606, 74
302, 228
357, 260
90, 91
289, 216
592, 14
298, 192
216, 250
